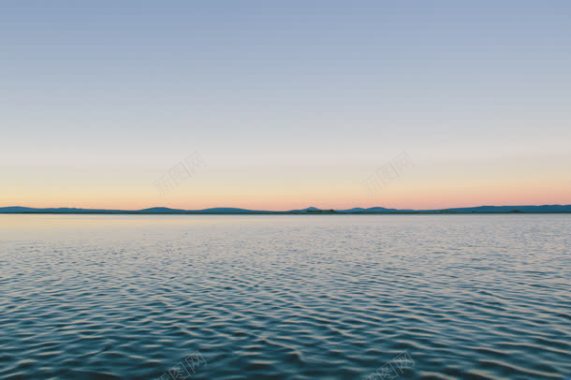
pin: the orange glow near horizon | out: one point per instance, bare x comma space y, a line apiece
427, 185
399, 195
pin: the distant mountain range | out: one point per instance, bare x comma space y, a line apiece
545, 209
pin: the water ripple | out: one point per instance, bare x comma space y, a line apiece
321, 297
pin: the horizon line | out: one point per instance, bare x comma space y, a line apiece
521, 208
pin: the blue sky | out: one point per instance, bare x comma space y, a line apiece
288, 103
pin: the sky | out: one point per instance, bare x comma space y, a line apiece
284, 104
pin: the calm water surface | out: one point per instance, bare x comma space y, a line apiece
285, 297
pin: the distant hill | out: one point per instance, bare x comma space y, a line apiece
549, 209
371, 210
160, 210
59, 210
543, 209
228, 210
310, 210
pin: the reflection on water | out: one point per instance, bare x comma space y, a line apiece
304, 297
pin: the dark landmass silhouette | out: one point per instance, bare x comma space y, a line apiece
543, 209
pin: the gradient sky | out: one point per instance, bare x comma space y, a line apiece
288, 104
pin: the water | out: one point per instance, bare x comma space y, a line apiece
285, 297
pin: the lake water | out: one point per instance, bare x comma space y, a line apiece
285, 297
